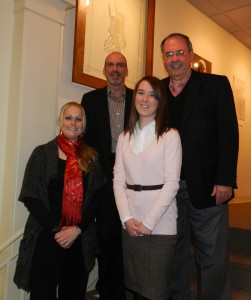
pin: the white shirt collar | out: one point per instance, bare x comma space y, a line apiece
140, 139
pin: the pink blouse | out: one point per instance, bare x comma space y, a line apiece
158, 163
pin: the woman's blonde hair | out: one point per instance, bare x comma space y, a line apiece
65, 106
86, 154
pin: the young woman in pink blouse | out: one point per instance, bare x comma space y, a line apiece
146, 180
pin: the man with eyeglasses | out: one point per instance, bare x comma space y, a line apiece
107, 112
201, 107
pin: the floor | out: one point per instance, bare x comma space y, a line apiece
240, 213
92, 295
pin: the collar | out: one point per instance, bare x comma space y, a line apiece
142, 138
175, 90
149, 129
110, 95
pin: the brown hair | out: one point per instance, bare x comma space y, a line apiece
185, 37
161, 117
86, 156
86, 153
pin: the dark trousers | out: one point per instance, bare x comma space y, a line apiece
110, 260
57, 273
138, 297
208, 230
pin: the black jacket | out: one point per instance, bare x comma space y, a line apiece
209, 136
98, 131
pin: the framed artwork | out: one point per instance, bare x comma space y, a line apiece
104, 26
239, 91
201, 65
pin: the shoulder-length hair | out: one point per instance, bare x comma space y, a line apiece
161, 118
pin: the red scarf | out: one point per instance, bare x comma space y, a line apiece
73, 184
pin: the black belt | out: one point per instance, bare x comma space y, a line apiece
139, 188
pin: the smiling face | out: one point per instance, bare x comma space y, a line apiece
146, 103
115, 69
72, 122
177, 57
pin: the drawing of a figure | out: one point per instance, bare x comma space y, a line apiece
115, 40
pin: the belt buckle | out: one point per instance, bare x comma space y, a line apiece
137, 187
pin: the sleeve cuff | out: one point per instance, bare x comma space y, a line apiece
148, 226
125, 219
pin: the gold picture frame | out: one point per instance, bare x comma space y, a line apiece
82, 31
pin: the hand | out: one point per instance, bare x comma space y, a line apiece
66, 236
222, 193
132, 227
143, 230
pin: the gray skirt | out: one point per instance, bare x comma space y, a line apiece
147, 264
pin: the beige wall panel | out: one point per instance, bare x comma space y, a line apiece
2, 282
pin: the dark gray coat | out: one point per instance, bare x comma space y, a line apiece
40, 169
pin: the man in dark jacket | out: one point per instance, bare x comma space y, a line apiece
201, 107
107, 112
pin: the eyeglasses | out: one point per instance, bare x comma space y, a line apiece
178, 53
119, 65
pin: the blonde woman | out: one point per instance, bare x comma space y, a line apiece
61, 182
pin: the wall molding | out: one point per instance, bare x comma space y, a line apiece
54, 10
11, 240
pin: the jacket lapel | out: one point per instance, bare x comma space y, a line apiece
128, 102
191, 96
